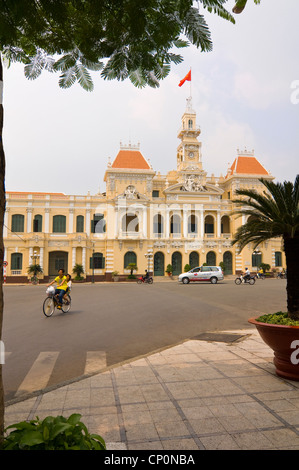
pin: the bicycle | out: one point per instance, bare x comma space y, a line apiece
51, 302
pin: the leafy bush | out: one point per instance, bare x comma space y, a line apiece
279, 318
169, 268
53, 433
187, 268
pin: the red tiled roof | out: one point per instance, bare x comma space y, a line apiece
248, 166
132, 159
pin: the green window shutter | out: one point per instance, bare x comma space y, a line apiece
37, 223
278, 258
98, 224
17, 223
59, 224
130, 257
98, 261
16, 261
80, 224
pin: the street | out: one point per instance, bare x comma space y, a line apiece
114, 322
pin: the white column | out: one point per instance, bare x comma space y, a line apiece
84, 258
73, 257
87, 222
47, 220
41, 257
185, 222
218, 224
167, 223
201, 224
144, 222
29, 219
71, 220
30, 255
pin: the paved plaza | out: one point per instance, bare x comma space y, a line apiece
216, 392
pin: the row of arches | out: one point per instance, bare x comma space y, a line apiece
194, 260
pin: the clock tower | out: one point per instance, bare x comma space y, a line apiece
189, 149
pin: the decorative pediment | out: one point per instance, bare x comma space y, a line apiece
194, 184
131, 194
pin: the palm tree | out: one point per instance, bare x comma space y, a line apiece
275, 214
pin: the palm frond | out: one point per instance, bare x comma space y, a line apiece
83, 77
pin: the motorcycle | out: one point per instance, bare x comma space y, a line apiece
239, 280
260, 276
142, 280
281, 276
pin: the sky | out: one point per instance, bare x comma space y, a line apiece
245, 94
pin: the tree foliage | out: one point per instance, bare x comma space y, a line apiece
274, 214
120, 38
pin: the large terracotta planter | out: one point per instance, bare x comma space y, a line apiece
280, 338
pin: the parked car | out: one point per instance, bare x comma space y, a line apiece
202, 273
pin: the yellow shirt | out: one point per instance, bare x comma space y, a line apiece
64, 282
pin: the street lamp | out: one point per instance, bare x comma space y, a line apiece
93, 262
148, 256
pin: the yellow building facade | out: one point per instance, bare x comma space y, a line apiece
152, 220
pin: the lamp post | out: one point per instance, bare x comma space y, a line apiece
34, 257
148, 256
93, 262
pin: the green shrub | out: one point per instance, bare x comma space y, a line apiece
53, 433
187, 268
278, 318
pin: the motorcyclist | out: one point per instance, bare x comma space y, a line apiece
246, 275
146, 275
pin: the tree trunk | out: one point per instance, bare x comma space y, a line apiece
291, 248
2, 211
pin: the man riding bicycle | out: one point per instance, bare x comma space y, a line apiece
61, 285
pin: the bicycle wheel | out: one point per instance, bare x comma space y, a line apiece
48, 307
66, 304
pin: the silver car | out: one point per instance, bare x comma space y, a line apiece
202, 273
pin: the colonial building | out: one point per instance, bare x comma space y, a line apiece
183, 217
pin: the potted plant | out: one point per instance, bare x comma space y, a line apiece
187, 268
276, 214
132, 267
34, 269
78, 270
169, 269
115, 276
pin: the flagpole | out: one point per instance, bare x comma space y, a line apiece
190, 84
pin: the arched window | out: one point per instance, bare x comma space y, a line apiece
37, 223
278, 258
80, 224
158, 224
256, 260
176, 261
194, 259
209, 224
16, 261
192, 224
225, 224
98, 224
130, 257
130, 223
17, 223
190, 124
59, 224
97, 261
211, 258
175, 224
